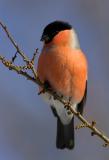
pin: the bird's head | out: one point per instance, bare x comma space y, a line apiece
60, 32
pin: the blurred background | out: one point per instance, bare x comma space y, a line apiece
27, 127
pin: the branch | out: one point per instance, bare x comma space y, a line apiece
34, 78
25, 58
18, 69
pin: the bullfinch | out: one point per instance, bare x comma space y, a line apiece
62, 66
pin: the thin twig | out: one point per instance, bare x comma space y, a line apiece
25, 58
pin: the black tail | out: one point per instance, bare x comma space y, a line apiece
65, 135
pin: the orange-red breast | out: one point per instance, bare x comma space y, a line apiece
63, 66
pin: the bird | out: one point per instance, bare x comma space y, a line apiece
63, 67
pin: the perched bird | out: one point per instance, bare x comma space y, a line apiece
62, 66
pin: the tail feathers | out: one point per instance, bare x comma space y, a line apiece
65, 135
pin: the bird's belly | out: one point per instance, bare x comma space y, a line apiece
61, 110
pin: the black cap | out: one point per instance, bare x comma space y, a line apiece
54, 28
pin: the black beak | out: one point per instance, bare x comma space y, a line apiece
44, 38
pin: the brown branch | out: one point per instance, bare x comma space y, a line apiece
18, 69
25, 58
35, 79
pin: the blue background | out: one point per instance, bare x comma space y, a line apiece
27, 127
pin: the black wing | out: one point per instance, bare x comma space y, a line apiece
81, 105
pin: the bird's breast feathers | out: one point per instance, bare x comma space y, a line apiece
65, 69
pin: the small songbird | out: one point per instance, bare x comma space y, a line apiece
62, 66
